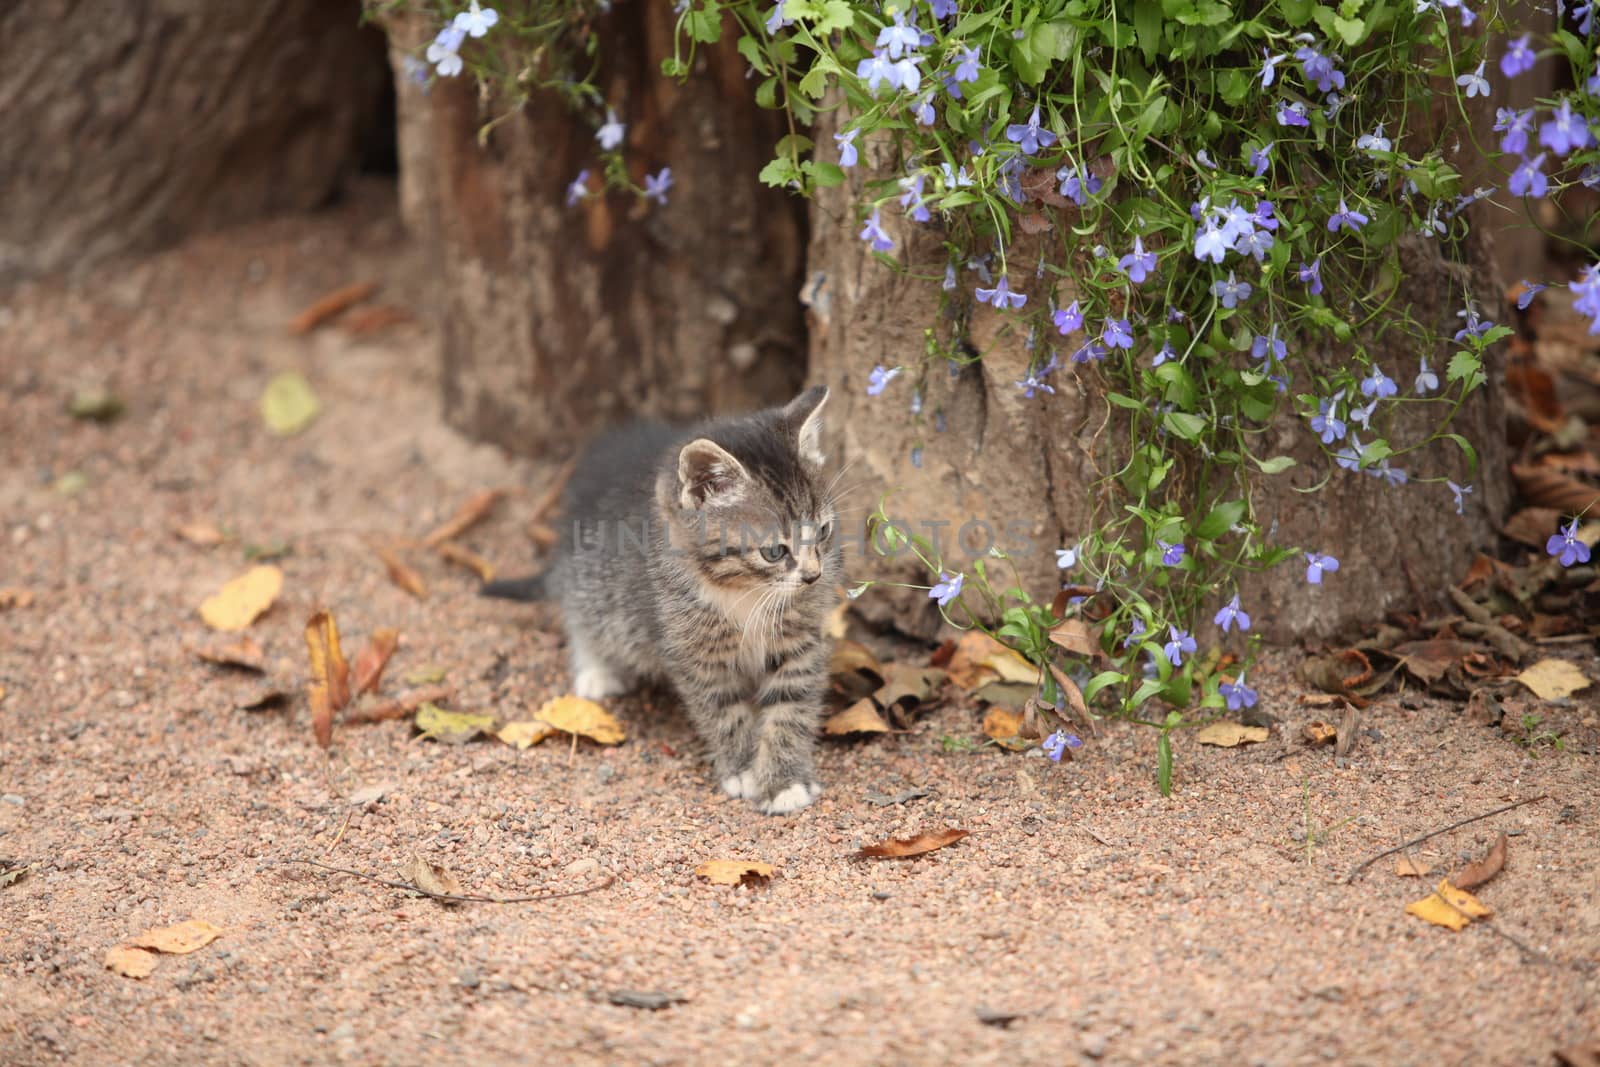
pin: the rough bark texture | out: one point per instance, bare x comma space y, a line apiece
559, 320
1025, 469
130, 125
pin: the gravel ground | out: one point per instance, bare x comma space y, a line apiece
1215, 927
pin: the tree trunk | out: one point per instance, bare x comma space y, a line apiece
558, 320
1020, 473
130, 125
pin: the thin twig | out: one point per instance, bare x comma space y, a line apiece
1526, 950
552, 493
1442, 830
451, 897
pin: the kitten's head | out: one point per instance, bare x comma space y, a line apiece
747, 505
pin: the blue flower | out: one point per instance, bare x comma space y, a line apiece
1137, 264
1292, 114
477, 20
1117, 334
610, 134
967, 65
1237, 222
443, 52
1261, 159
656, 185
957, 179
873, 231
1265, 215
878, 70
1475, 83
916, 456
879, 379
1068, 318
1035, 381
1136, 632
1210, 242
1528, 179
1164, 354
1378, 384
1029, 136
1256, 244
1180, 644
1171, 553
943, 9
1237, 694
1459, 491
1319, 68
1362, 416
1056, 745
846, 141
1232, 291
1311, 274
1232, 615
948, 589
1565, 131
1269, 66
1318, 565
924, 111
1001, 295
1090, 351
1076, 187
897, 38
1566, 546
1067, 557
578, 188
1269, 346
1587, 290
1374, 141
778, 18
1529, 291
1344, 218
1427, 381
1519, 57
912, 201
1516, 125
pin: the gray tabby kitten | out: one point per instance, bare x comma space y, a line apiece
707, 557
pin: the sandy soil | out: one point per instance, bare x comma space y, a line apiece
1214, 927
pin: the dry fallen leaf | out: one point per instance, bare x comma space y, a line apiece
330, 304
177, 940
859, 718
735, 872
370, 662
464, 557
1319, 733
241, 601
398, 707
1075, 635
131, 962
15, 598
243, 652
853, 670
452, 727
202, 533
967, 667
289, 404
1448, 906
431, 878
837, 623
904, 847
366, 321
576, 715
1552, 679
906, 684
1002, 725
526, 734
330, 675
1406, 867
13, 871
474, 511
1475, 874
1225, 734
399, 572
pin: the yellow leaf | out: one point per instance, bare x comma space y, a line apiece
734, 872
241, 601
576, 715
524, 734
131, 962
1226, 734
1448, 906
330, 675
859, 718
1552, 679
288, 405
1002, 725
180, 939
1011, 666
452, 727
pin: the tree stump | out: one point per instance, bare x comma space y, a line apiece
557, 319
131, 125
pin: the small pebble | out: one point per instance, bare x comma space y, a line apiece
13, 799
469, 979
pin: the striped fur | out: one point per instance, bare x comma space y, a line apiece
661, 577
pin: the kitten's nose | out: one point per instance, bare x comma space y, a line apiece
810, 576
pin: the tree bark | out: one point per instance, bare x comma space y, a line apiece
559, 320
130, 125
1022, 472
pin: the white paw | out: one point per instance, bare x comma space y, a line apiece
596, 683
740, 785
791, 799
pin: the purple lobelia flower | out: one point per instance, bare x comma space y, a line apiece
1001, 295
1171, 553
1138, 264
1179, 644
1565, 131
1519, 57
656, 185
879, 379
1232, 291
1516, 125
873, 231
1345, 219
1237, 694
1566, 547
1528, 179
1030, 136
1318, 565
1232, 615
1118, 333
948, 589
1311, 274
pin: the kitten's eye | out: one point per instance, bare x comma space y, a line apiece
825, 532
773, 553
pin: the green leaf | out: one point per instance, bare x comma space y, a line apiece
767, 92
1220, 520
815, 83
1183, 424
1100, 681
1375, 452
673, 67
780, 172
1467, 369
705, 24
1296, 12
1123, 401
751, 50
1164, 764
836, 15
1353, 31
1467, 449
1275, 465
1147, 26
825, 175
792, 145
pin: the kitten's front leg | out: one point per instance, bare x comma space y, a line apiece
727, 723
790, 703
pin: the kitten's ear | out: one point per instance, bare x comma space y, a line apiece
707, 470
805, 413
